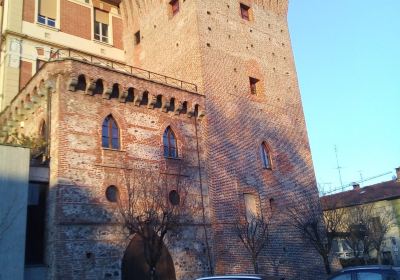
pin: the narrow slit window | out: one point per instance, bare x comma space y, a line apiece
253, 85
174, 6
245, 11
266, 156
169, 141
110, 134
137, 38
47, 12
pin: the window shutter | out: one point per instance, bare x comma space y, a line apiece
48, 8
101, 16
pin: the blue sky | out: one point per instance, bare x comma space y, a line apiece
347, 56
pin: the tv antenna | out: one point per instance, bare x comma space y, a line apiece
338, 167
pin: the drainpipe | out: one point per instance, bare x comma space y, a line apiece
202, 199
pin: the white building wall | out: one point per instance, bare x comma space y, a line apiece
14, 177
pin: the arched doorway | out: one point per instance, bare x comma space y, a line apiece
134, 266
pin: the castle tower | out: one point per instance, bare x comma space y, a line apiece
239, 54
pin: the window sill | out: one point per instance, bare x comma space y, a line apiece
112, 150
267, 168
102, 43
48, 27
173, 158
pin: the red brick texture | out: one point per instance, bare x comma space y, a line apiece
117, 33
28, 13
75, 19
81, 170
208, 43
25, 73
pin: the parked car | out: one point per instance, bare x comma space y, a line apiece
368, 272
241, 277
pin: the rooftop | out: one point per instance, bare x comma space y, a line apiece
382, 191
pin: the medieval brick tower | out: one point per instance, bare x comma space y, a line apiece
239, 134
239, 54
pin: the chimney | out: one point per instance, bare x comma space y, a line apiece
355, 185
398, 174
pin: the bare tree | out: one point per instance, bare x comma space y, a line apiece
151, 207
366, 228
355, 227
317, 227
380, 224
254, 234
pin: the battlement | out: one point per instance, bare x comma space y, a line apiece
99, 82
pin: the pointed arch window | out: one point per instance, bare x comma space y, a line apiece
170, 146
110, 133
266, 156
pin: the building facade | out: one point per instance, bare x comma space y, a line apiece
382, 204
221, 82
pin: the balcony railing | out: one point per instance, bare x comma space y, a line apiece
137, 72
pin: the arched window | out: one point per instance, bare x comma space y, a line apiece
110, 133
266, 156
170, 147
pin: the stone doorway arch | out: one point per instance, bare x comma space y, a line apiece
134, 266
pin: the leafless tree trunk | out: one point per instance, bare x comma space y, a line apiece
151, 207
316, 227
254, 235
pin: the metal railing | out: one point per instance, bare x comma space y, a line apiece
137, 72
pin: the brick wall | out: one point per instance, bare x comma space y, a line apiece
75, 19
81, 222
117, 33
209, 43
25, 73
29, 11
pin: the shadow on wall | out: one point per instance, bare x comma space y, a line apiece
91, 240
237, 147
92, 243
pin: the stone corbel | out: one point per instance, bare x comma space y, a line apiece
28, 105
21, 112
191, 108
123, 96
42, 91
201, 114
50, 85
72, 83
152, 101
90, 88
138, 98
107, 93
35, 99
178, 107
166, 104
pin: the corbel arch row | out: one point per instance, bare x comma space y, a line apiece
136, 95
